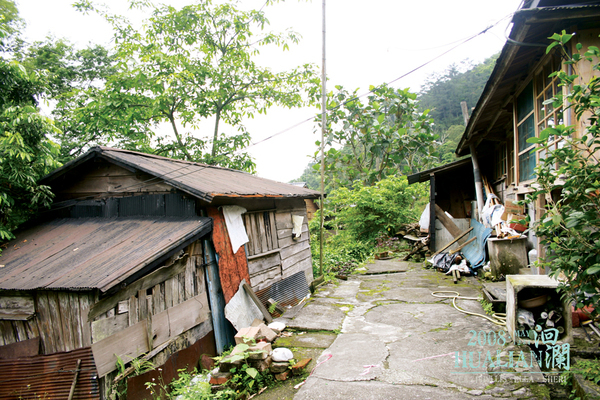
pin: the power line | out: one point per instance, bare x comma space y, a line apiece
462, 42
146, 183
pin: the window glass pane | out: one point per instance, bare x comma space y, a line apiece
525, 102
526, 166
548, 96
526, 131
541, 108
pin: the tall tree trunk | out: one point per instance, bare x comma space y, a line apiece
213, 153
188, 156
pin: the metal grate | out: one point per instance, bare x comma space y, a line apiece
287, 292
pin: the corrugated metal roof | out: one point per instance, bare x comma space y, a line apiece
93, 252
49, 376
203, 181
527, 43
423, 176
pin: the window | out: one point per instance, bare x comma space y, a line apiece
262, 232
500, 164
534, 113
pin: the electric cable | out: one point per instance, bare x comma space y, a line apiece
461, 42
497, 318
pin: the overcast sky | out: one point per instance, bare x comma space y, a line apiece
368, 43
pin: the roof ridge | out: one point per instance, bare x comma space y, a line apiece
149, 155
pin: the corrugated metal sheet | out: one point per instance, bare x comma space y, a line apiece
92, 252
203, 181
49, 376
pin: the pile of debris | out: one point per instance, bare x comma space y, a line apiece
416, 240
254, 347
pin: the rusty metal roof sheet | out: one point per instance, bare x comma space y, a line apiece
85, 253
200, 180
527, 43
49, 376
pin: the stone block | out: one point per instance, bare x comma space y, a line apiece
261, 365
220, 378
248, 335
269, 334
278, 367
300, 365
282, 376
263, 347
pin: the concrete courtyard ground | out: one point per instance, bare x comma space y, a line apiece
383, 335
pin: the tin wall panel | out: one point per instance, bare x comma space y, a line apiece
49, 376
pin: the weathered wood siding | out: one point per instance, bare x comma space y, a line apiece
153, 310
169, 305
273, 256
60, 321
102, 179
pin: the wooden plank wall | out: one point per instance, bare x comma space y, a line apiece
104, 178
164, 304
268, 267
60, 321
66, 321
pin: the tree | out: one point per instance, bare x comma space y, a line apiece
26, 153
71, 75
443, 93
186, 66
383, 137
568, 179
10, 23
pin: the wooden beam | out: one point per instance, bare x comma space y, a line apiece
459, 248
447, 222
258, 303
454, 241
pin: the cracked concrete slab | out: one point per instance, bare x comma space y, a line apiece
307, 340
318, 316
387, 266
316, 388
349, 365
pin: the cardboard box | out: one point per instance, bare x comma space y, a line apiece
515, 225
511, 208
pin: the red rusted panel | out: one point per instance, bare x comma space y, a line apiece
233, 268
184, 359
49, 376
25, 348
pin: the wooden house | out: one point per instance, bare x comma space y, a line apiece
134, 260
513, 104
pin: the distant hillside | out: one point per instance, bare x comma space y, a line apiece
442, 93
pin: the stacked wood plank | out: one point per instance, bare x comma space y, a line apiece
273, 254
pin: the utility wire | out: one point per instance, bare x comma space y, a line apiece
462, 42
150, 181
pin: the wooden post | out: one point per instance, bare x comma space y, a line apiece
478, 180
432, 212
74, 384
452, 242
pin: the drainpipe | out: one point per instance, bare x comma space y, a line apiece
478, 181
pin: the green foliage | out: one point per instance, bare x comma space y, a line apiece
588, 369
73, 75
443, 93
367, 211
568, 178
383, 137
359, 219
192, 64
26, 152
